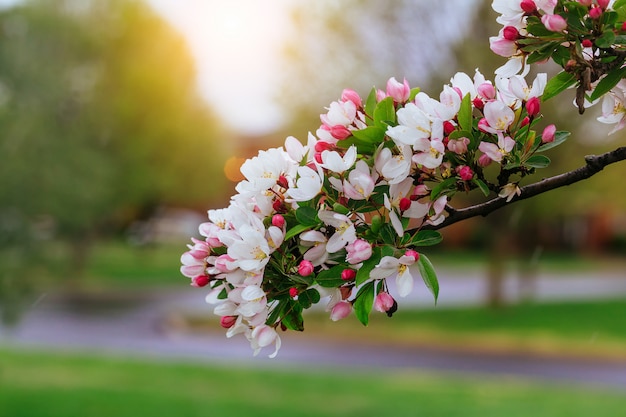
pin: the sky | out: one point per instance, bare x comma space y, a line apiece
237, 47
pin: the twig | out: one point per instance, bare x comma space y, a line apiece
594, 164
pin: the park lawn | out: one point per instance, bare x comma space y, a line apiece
115, 263
575, 329
580, 329
45, 384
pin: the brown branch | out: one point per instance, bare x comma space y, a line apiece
595, 164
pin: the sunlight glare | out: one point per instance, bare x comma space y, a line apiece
236, 46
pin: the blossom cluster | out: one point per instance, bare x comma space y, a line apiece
586, 38
341, 220
340, 216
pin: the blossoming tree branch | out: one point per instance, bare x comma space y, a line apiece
337, 219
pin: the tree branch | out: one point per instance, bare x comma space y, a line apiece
595, 164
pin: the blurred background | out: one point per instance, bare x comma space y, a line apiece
123, 121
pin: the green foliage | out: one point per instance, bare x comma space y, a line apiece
364, 302
558, 84
100, 124
104, 130
607, 83
429, 275
74, 385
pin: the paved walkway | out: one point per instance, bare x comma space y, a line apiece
136, 327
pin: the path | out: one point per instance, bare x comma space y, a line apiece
136, 328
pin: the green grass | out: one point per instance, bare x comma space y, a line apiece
574, 329
119, 264
36, 384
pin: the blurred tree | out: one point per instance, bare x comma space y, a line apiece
101, 122
359, 44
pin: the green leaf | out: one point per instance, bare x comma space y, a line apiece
363, 302
307, 216
557, 84
605, 40
609, 18
414, 92
296, 230
308, 280
426, 238
309, 297
538, 161
465, 113
538, 29
543, 53
442, 186
385, 113
559, 137
607, 83
370, 102
620, 39
481, 184
331, 278
366, 140
619, 4
292, 316
427, 271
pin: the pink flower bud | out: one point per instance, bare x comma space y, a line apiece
533, 106
595, 12
528, 6
384, 302
484, 160
510, 33
348, 274
502, 47
305, 268
624, 27
278, 220
380, 95
413, 254
228, 321
318, 158
358, 251
486, 91
200, 281
293, 292
458, 146
478, 103
279, 206
585, 2
525, 121
404, 204
400, 92
448, 127
548, 134
353, 96
554, 22
340, 132
586, 43
604, 4
321, 146
465, 173
282, 181
341, 310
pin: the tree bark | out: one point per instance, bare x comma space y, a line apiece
594, 164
